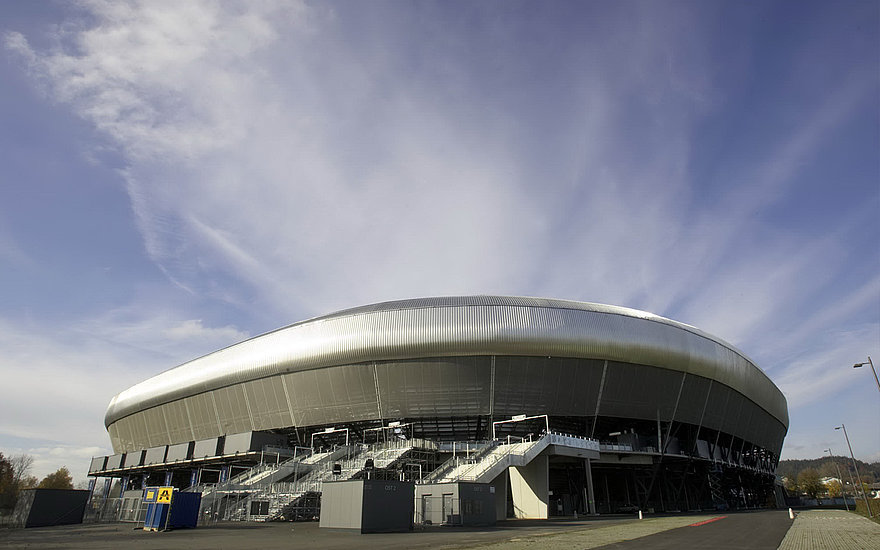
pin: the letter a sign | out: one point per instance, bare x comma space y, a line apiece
165, 495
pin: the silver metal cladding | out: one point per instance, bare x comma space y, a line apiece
462, 326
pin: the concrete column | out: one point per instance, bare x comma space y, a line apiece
591, 498
499, 484
530, 488
168, 477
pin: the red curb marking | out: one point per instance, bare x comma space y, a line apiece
705, 522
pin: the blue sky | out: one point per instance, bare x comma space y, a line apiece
180, 176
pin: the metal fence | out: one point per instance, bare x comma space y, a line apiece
114, 510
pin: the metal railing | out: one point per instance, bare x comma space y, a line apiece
115, 510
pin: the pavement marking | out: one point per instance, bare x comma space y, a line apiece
705, 522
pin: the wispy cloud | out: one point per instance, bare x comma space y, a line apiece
11, 253
59, 382
289, 159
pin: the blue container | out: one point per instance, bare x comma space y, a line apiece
181, 510
184, 510
156, 516
148, 519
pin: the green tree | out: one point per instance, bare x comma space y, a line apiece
14, 477
6, 488
834, 488
60, 479
791, 485
808, 481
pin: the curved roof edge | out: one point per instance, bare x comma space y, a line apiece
462, 325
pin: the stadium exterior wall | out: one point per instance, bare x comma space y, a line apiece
478, 357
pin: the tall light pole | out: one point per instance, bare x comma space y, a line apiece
869, 362
836, 465
856, 467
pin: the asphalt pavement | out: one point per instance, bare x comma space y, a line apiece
770, 529
759, 530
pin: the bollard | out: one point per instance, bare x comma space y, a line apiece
790, 514
640, 514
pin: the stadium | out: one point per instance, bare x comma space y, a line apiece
564, 407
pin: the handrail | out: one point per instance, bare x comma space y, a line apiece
509, 452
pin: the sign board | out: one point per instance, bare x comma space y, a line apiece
164, 496
150, 494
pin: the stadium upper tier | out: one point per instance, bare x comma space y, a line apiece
454, 356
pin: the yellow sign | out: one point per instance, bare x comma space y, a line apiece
165, 495
151, 495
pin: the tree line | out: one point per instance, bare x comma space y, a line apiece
827, 467
15, 477
804, 476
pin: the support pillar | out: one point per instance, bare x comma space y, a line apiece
530, 488
92, 482
591, 498
168, 476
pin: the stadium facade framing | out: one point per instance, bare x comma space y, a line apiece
684, 419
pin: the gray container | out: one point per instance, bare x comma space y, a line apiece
372, 506
461, 503
45, 507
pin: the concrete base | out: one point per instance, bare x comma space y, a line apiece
530, 488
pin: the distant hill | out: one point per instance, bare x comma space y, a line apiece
870, 471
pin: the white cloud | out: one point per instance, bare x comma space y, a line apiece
48, 459
11, 253
819, 370
320, 186
266, 145
60, 382
192, 330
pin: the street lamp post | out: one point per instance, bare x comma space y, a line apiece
869, 362
856, 467
840, 477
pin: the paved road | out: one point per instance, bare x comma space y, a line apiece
308, 536
831, 530
762, 530
813, 530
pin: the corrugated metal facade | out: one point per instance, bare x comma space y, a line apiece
437, 357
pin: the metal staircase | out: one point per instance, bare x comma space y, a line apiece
495, 459
293, 488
